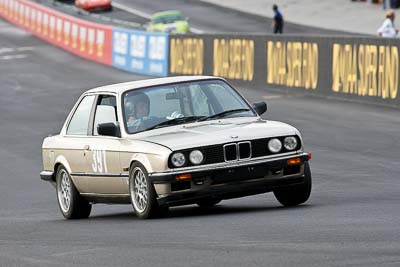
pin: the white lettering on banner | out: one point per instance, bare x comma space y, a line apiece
59, 24
82, 38
119, 60
120, 43
137, 64
39, 18
46, 19
82, 33
138, 45
33, 18
27, 15
157, 47
91, 35
59, 29
45, 23
156, 67
74, 34
99, 161
100, 37
67, 27
52, 22
91, 40
21, 11
67, 31
16, 7
11, 5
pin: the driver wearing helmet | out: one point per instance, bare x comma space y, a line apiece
137, 109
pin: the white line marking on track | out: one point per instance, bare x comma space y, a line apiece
272, 96
4, 50
25, 48
146, 15
11, 57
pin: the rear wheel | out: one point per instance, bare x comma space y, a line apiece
298, 194
72, 205
208, 202
143, 195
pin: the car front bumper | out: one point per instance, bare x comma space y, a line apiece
228, 180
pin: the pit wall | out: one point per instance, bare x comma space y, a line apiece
351, 68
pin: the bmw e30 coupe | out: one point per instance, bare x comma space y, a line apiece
171, 141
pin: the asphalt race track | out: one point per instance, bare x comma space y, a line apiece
202, 17
352, 217
218, 19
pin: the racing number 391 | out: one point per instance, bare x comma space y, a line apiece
99, 161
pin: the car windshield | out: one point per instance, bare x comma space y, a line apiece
168, 18
172, 104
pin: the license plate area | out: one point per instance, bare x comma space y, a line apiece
239, 174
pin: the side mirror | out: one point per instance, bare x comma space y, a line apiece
109, 129
260, 107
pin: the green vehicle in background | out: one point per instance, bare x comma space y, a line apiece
168, 21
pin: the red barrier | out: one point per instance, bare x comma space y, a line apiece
86, 39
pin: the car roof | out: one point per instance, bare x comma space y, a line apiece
166, 13
119, 88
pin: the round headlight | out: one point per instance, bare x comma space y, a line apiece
274, 145
178, 159
290, 143
196, 157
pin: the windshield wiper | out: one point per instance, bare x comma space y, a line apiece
175, 121
224, 113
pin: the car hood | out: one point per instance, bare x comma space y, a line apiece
214, 132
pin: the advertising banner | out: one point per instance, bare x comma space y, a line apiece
140, 52
354, 68
88, 40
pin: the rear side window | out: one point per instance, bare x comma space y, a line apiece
79, 123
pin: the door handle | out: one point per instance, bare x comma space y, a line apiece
86, 147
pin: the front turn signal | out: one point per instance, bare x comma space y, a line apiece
183, 177
294, 161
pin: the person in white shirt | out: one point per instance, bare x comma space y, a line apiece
388, 29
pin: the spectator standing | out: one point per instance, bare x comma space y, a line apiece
388, 28
277, 23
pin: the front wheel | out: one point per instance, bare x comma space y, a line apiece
72, 205
143, 195
297, 194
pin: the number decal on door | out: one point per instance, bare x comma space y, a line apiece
99, 161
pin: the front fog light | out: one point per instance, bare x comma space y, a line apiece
290, 143
274, 145
196, 157
178, 159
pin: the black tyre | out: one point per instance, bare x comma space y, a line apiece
298, 194
208, 202
143, 195
72, 205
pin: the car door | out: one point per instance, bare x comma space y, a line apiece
73, 141
103, 169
